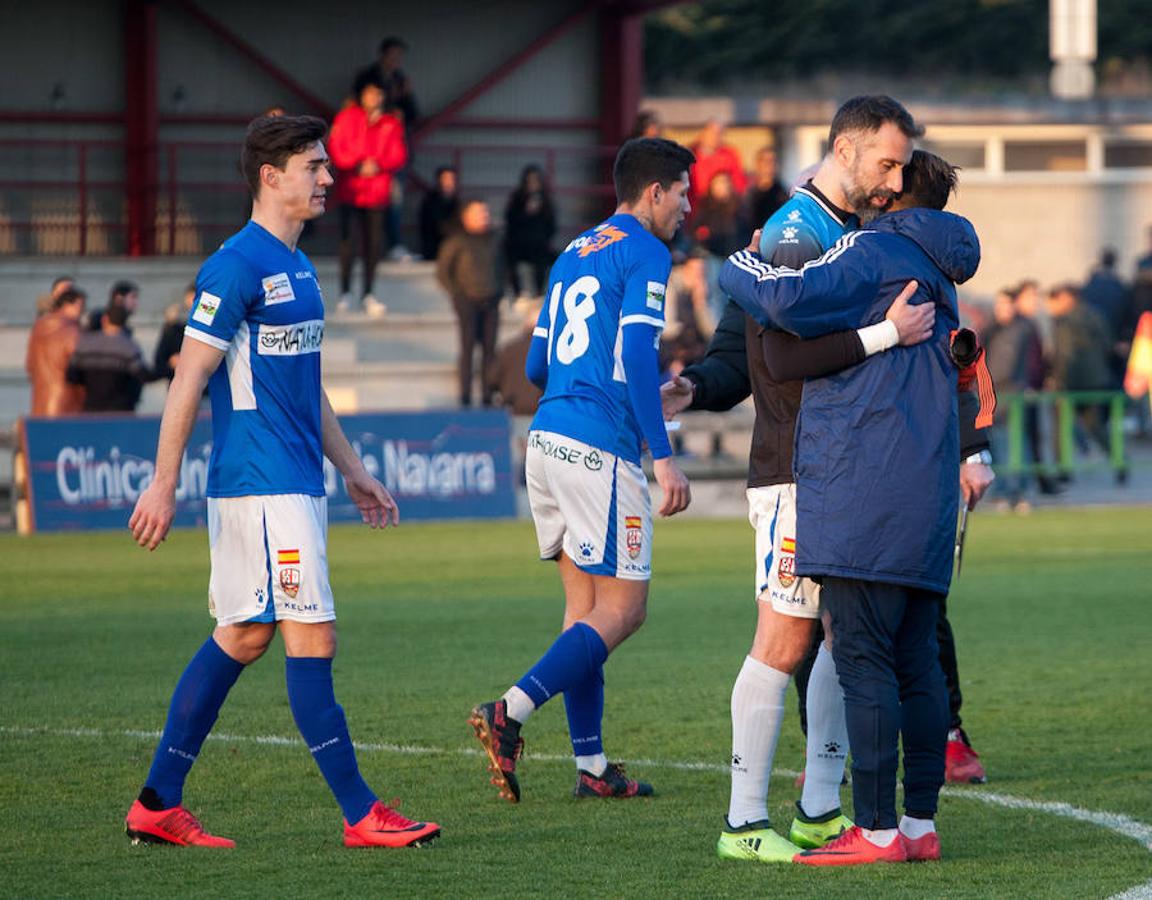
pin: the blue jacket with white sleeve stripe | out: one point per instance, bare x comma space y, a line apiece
877, 446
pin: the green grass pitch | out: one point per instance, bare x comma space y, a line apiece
1054, 635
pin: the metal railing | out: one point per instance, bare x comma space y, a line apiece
68, 196
1057, 447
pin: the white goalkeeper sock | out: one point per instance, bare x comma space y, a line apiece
757, 711
827, 738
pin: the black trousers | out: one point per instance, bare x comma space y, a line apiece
369, 223
948, 663
479, 321
888, 662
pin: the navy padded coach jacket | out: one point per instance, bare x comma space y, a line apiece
877, 447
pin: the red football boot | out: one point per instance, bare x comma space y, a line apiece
174, 825
925, 848
384, 827
961, 763
852, 849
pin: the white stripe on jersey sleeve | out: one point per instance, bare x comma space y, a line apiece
203, 337
540, 332
640, 319
239, 362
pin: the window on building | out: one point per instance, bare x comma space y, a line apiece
1045, 156
1128, 155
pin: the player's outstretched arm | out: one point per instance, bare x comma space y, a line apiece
377, 508
826, 295
156, 507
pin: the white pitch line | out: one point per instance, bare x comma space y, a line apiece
1118, 823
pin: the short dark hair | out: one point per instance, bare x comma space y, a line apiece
271, 140
121, 288
1108, 258
369, 77
642, 161
71, 295
440, 170
929, 180
392, 41
869, 112
60, 279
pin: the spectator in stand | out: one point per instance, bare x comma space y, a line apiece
172, 335
1007, 345
124, 295
110, 365
529, 226
507, 380
45, 303
1144, 263
767, 194
647, 125
720, 227
688, 321
1109, 296
713, 156
1081, 359
367, 148
51, 343
399, 101
1037, 419
439, 211
470, 267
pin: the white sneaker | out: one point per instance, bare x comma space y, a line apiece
400, 253
345, 303
374, 308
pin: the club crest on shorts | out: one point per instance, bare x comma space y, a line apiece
290, 582
786, 570
633, 535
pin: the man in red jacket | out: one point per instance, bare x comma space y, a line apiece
367, 146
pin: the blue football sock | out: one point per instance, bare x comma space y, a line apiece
584, 703
321, 722
196, 703
572, 659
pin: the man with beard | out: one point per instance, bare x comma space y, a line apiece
870, 141
875, 452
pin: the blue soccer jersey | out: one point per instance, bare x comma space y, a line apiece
260, 303
609, 278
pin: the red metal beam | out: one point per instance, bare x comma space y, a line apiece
622, 71
258, 59
502, 71
141, 129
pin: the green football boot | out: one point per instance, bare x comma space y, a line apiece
811, 834
754, 841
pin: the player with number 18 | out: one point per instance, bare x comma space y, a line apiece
593, 353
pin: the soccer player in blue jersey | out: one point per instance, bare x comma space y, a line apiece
594, 354
259, 311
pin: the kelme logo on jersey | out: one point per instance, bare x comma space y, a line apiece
206, 307
655, 295
291, 340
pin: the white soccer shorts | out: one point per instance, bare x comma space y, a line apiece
772, 513
269, 559
590, 504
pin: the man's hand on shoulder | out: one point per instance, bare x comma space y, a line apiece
673, 484
153, 515
377, 508
754, 244
676, 396
914, 324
